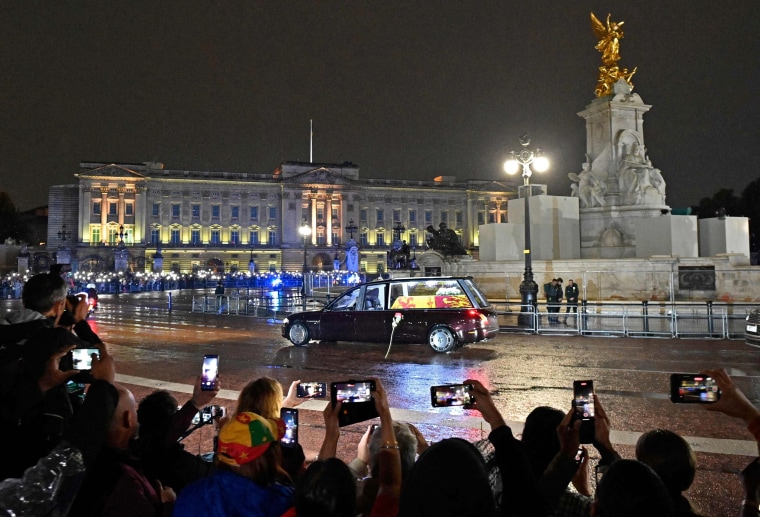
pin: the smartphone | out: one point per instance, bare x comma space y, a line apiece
352, 391
693, 388
358, 401
82, 357
583, 399
316, 390
451, 395
583, 404
290, 417
579, 455
209, 372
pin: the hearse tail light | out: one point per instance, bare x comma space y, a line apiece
476, 314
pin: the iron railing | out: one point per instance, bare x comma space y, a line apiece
645, 319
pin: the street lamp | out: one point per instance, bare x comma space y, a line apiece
121, 235
398, 229
62, 234
351, 228
305, 231
525, 158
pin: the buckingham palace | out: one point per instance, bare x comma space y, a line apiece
229, 221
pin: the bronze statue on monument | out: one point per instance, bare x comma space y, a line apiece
609, 46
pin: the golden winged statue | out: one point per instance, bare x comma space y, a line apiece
609, 46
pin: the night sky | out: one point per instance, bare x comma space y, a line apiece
404, 89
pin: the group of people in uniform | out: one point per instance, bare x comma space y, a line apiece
553, 292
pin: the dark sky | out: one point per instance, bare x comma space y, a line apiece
405, 89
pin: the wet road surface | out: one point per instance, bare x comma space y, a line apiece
155, 347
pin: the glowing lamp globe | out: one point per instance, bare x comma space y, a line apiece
541, 164
511, 166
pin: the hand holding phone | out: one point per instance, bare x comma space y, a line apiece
451, 395
316, 390
579, 455
352, 391
693, 388
82, 357
209, 372
357, 401
584, 409
290, 417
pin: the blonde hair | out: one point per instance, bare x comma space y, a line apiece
262, 396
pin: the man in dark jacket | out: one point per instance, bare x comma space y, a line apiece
571, 297
553, 292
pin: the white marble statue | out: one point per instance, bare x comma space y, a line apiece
589, 188
639, 182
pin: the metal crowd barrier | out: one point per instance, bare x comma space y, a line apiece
647, 319
259, 305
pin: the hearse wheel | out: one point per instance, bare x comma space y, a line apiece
442, 339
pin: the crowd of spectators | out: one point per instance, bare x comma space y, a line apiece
12, 284
77, 451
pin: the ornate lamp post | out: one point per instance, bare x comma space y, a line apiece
525, 158
63, 234
121, 235
351, 228
398, 229
305, 231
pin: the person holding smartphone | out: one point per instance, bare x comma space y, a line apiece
521, 495
734, 403
264, 396
388, 457
161, 425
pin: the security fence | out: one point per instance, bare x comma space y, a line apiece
255, 302
644, 319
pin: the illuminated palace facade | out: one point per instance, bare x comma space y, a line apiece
198, 220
